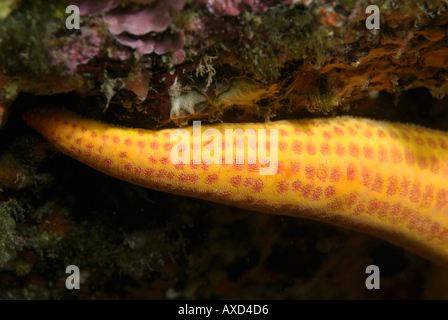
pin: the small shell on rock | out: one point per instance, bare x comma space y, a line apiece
188, 103
241, 92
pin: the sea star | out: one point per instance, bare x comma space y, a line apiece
385, 179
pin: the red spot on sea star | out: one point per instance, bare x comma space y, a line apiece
335, 205
373, 206
310, 148
235, 181
359, 209
127, 142
368, 152
443, 144
258, 186
152, 160
297, 147
338, 131
378, 184
282, 187
368, 134
441, 198
410, 157
329, 192
322, 172
188, 178
316, 194
428, 196
393, 135
382, 154
396, 155
340, 150
282, 146
422, 162
352, 200
295, 167
141, 144
404, 187
336, 174
148, 172
327, 135
325, 149
435, 164
167, 146
309, 132
392, 186
353, 150
419, 140
154, 145
431, 142
366, 177
211, 179
310, 171
352, 131
161, 173
404, 136
415, 192
351, 172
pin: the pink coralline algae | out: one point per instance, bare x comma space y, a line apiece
236, 7
159, 44
154, 18
77, 50
135, 28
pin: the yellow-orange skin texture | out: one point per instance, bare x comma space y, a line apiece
385, 179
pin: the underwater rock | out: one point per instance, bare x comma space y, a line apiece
5, 105
96, 7
159, 44
236, 7
268, 42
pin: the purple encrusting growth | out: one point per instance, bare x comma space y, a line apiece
79, 49
133, 27
155, 18
159, 44
148, 19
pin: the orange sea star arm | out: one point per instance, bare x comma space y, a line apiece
385, 179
